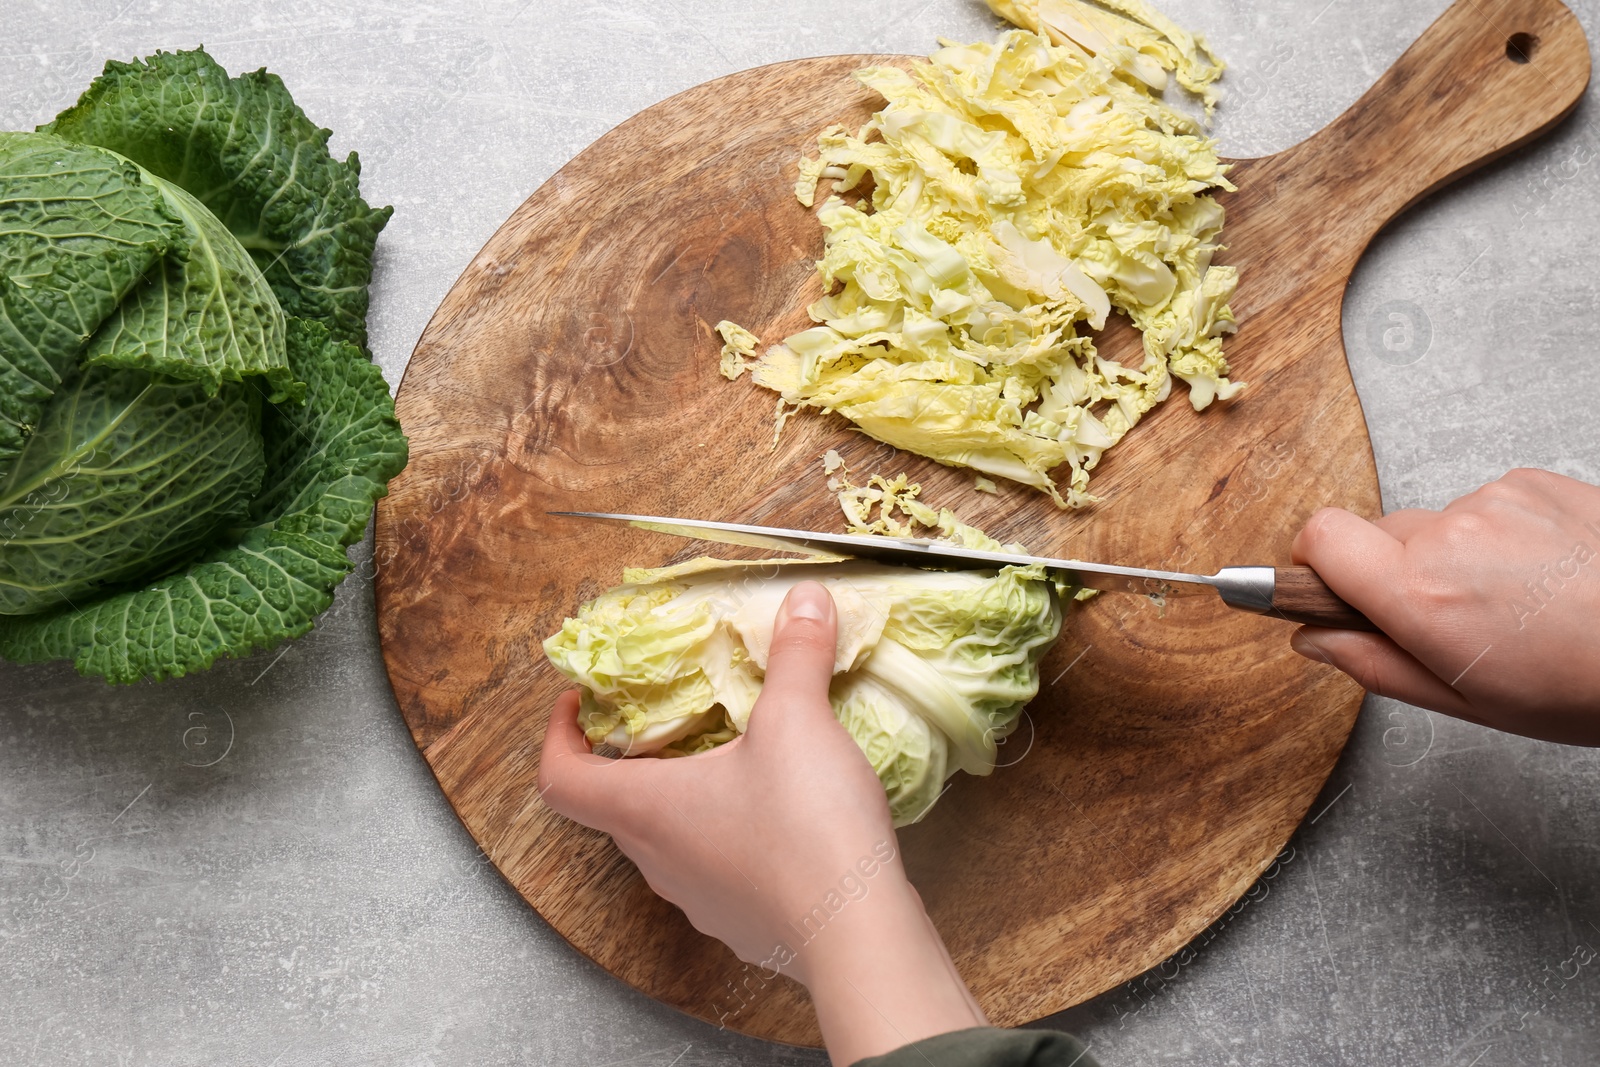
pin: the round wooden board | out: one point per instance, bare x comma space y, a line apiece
1166, 760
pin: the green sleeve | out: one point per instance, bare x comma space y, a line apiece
985, 1047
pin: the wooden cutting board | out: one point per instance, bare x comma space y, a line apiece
1166, 760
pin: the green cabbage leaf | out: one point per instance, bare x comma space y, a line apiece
191, 429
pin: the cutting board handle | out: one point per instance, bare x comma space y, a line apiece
1488, 76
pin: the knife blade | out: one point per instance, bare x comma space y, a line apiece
1294, 594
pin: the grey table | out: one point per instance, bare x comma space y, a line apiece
254, 866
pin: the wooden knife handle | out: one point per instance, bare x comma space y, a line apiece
1298, 595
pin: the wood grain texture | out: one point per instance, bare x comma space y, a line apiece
1166, 760
1299, 595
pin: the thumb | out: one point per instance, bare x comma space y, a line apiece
805, 635
1382, 667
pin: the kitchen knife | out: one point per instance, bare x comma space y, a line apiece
1293, 594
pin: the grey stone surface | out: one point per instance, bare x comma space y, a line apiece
255, 867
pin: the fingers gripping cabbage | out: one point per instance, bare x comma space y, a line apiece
932, 669
191, 430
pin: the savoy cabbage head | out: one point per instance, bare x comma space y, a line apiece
191, 428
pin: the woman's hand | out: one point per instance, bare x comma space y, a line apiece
1490, 609
779, 843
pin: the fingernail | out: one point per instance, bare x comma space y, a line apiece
1299, 642
808, 600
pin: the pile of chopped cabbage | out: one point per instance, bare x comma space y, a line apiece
1138, 41
932, 668
1018, 190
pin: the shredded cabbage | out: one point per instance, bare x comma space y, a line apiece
872, 508
1137, 40
738, 348
1018, 189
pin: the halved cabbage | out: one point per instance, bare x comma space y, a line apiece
932, 668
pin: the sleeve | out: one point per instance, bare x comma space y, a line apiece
987, 1047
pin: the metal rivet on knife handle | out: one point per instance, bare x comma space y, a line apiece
1294, 594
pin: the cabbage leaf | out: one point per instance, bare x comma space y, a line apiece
78, 231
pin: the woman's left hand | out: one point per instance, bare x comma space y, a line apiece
780, 844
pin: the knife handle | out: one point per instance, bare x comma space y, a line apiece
1299, 595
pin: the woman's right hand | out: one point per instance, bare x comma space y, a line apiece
1490, 609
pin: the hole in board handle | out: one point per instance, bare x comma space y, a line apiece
1520, 47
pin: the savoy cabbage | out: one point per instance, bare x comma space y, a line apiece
191, 428
931, 668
